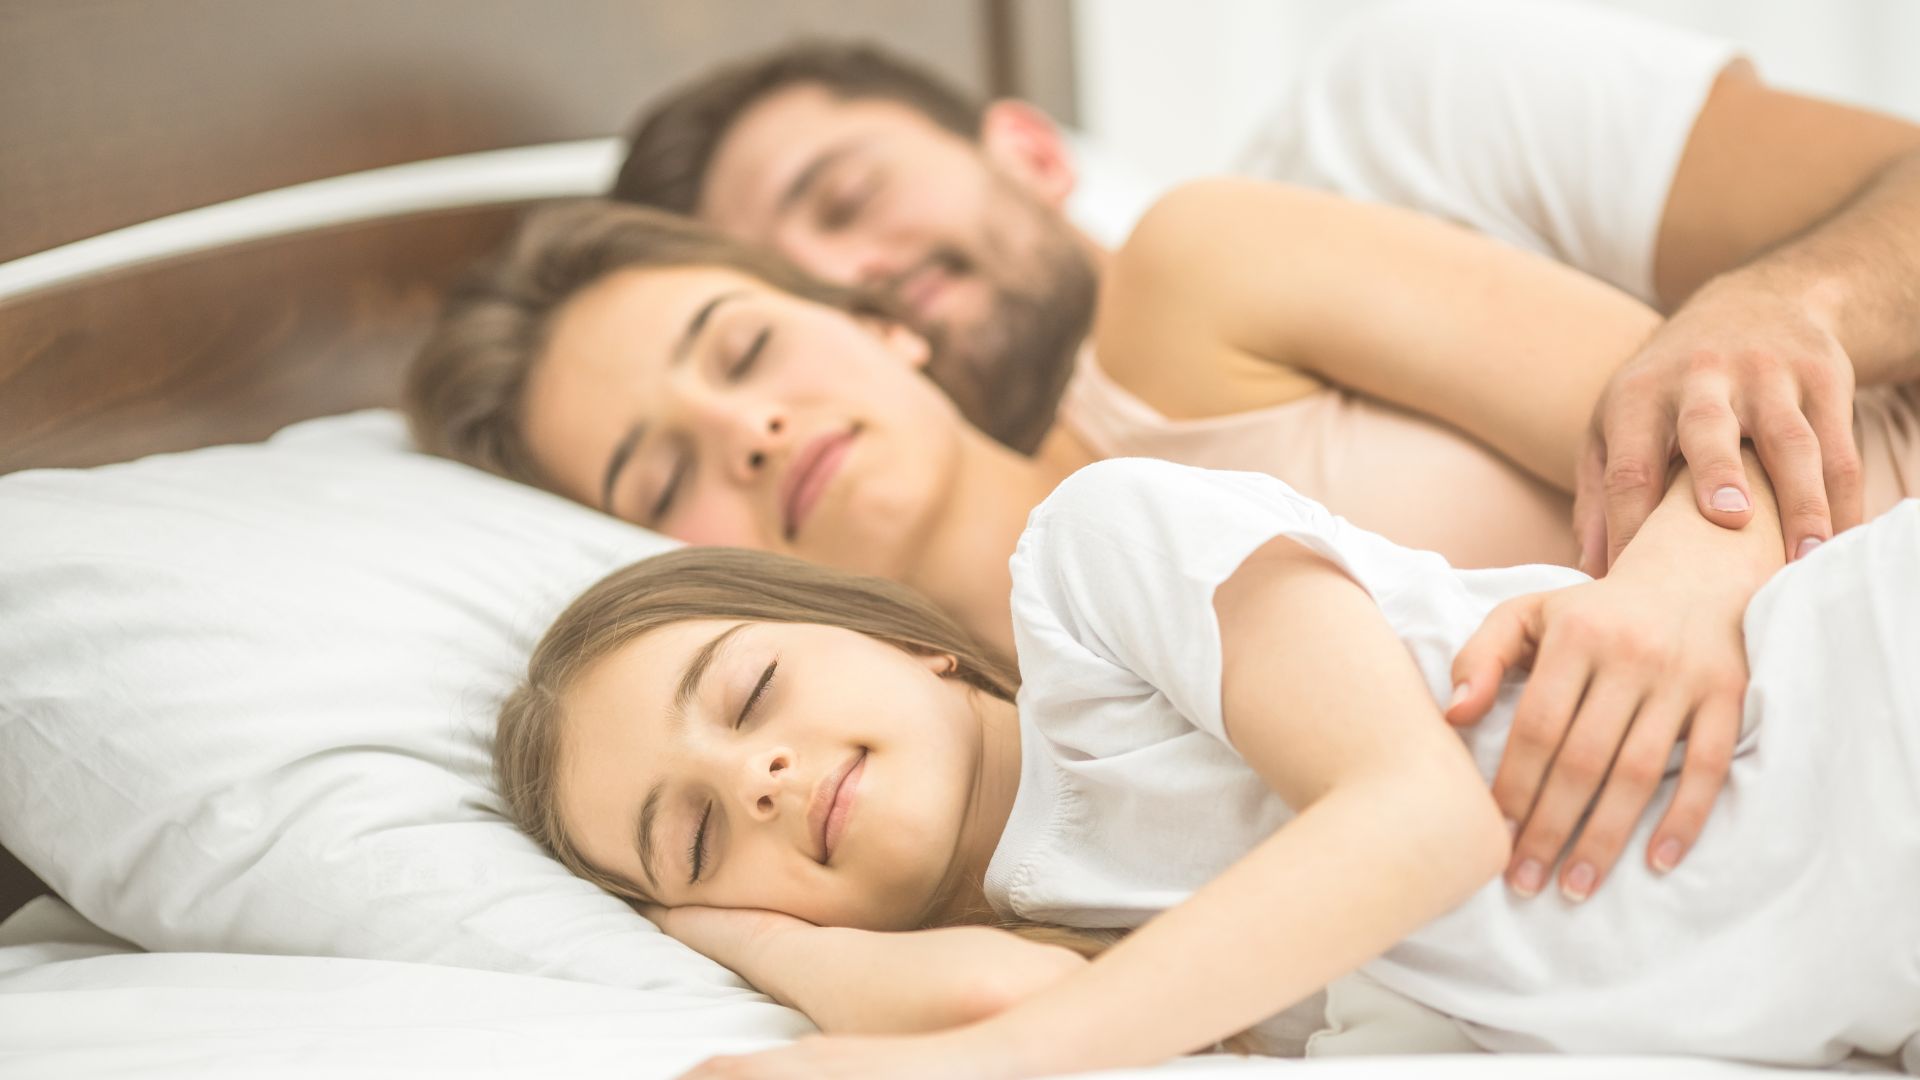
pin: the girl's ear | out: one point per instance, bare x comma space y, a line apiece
1027, 146
941, 664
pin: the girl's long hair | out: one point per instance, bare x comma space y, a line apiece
725, 583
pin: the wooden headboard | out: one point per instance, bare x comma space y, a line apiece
119, 112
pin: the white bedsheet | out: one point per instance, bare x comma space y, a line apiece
78, 1004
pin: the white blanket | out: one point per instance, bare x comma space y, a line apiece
77, 1004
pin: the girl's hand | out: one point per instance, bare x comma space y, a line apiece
959, 1054
1623, 668
731, 937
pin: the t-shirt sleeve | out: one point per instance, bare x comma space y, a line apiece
1115, 575
1557, 127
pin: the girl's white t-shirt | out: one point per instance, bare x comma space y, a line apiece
1766, 943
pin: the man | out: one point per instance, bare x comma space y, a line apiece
1780, 233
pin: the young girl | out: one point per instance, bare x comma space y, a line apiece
652, 367
1225, 737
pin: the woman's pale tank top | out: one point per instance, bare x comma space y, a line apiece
1417, 481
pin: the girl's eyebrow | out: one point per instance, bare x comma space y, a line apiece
683, 695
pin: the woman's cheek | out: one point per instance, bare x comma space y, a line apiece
711, 523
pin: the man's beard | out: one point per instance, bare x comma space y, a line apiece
1007, 371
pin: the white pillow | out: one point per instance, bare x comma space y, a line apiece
247, 694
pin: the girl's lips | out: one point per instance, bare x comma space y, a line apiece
840, 807
809, 475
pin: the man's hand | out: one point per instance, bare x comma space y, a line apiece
1736, 362
1622, 669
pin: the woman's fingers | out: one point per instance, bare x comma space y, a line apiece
1586, 753
1630, 786
1711, 739
1540, 722
1506, 640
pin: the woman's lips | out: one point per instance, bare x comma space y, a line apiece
809, 475
833, 804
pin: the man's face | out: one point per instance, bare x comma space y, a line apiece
870, 192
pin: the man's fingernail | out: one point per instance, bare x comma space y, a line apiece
1807, 546
1666, 855
1578, 884
1528, 879
1730, 500
1460, 691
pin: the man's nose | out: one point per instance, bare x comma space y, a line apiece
850, 261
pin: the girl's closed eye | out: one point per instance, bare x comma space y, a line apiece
759, 689
697, 852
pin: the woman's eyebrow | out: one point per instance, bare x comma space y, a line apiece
623, 450
683, 695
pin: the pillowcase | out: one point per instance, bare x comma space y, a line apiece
247, 700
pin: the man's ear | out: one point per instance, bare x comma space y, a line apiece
900, 339
1026, 145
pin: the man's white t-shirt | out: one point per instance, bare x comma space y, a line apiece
1555, 127
1789, 935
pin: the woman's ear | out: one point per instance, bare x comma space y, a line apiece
1024, 143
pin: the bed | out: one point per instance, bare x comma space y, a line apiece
245, 686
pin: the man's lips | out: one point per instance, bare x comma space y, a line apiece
827, 815
812, 468
919, 289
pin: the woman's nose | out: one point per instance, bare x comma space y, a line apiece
768, 774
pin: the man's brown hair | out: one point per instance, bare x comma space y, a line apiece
673, 144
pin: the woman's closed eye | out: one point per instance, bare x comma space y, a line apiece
676, 476
749, 356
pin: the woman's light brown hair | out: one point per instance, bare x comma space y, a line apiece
465, 393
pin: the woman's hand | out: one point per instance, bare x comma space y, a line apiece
959, 1054
1622, 669
731, 937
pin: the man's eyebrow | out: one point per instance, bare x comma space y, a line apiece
683, 696
623, 450
809, 176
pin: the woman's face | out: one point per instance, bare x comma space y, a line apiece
796, 768
709, 406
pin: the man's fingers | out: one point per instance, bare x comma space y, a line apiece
1708, 434
1639, 445
1790, 452
1586, 754
1504, 641
1590, 507
1832, 422
1710, 744
1630, 786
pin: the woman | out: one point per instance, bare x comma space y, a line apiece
652, 368
1222, 737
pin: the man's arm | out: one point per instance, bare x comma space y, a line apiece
1790, 245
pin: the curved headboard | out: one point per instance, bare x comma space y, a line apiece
162, 289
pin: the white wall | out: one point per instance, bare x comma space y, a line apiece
1174, 87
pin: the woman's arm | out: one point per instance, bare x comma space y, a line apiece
1253, 284
865, 982
1395, 828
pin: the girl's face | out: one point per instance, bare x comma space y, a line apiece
797, 768
705, 404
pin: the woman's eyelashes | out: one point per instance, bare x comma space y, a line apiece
739, 368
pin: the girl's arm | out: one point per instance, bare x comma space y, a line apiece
865, 982
1395, 828
1256, 285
